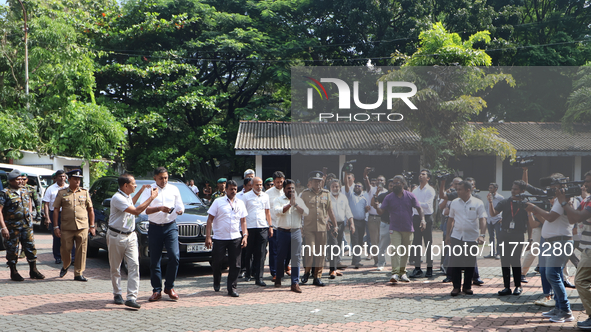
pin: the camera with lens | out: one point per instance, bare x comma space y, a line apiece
443, 175
348, 166
523, 161
569, 188
409, 176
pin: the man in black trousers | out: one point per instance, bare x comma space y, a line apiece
227, 216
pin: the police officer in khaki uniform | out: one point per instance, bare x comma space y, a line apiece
77, 216
315, 226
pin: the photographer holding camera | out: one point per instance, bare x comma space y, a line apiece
514, 223
557, 231
583, 276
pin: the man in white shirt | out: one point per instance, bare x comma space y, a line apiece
163, 232
259, 226
374, 219
48, 199
583, 276
289, 211
227, 215
425, 194
557, 231
122, 240
343, 215
275, 191
194, 187
493, 223
245, 259
466, 228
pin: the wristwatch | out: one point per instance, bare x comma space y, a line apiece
563, 203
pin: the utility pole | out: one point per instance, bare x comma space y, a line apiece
26, 55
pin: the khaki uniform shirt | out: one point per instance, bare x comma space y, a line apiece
318, 205
73, 204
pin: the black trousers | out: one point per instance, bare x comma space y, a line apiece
256, 250
219, 254
511, 262
465, 262
418, 238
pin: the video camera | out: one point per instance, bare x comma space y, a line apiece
447, 176
409, 176
523, 161
569, 188
540, 201
348, 166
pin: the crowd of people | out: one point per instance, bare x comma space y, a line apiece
302, 229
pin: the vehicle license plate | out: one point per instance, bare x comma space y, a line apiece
196, 248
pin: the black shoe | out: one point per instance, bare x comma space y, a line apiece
216, 288
429, 273
260, 283
358, 265
537, 269
63, 272
318, 282
80, 278
233, 294
304, 278
58, 261
118, 299
417, 273
247, 279
523, 279
468, 291
568, 284
132, 304
241, 275
447, 279
506, 291
517, 291
477, 282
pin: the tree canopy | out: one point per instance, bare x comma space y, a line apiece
166, 82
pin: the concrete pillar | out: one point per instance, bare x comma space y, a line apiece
578, 169
259, 166
342, 159
499, 172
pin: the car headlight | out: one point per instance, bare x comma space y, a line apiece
143, 227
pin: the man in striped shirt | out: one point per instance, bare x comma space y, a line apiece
583, 277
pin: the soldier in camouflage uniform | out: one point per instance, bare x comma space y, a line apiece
32, 190
16, 224
221, 190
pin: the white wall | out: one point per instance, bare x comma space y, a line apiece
55, 163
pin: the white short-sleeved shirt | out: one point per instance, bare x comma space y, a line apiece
51, 194
119, 219
466, 215
340, 207
227, 215
256, 206
292, 218
560, 226
168, 196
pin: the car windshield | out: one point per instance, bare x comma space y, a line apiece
189, 198
45, 180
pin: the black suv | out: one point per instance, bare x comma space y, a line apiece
191, 223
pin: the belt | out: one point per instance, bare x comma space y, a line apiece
118, 231
160, 225
374, 215
287, 230
385, 222
558, 238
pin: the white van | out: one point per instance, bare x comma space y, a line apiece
39, 177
